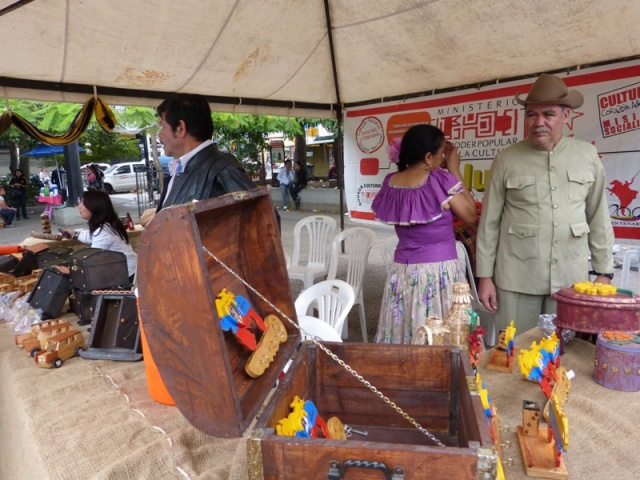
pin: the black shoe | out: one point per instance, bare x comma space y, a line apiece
297, 202
26, 218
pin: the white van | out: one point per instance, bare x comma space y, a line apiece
121, 177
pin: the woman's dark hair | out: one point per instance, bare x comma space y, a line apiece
417, 142
193, 110
299, 163
103, 214
18, 170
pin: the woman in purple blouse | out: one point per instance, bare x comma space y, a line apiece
420, 200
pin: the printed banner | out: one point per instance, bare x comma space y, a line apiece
481, 122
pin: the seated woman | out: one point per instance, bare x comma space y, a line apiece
106, 231
6, 211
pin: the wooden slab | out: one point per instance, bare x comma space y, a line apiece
538, 456
498, 360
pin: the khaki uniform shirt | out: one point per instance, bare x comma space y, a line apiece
543, 213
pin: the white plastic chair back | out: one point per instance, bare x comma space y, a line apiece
313, 327
332, 300
315, 233
352, 245
630, 257
388, 251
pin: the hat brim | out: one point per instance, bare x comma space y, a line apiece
573, 100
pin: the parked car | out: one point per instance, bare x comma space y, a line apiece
121, 177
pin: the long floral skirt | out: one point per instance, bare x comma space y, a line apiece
414, 292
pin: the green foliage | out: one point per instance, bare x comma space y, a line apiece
103, 146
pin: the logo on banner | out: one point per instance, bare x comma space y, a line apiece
367, 192
370, 135
620, 110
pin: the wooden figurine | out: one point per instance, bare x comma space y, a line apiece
560, 390
432, 333
538, 364
542, 448
46, 223
502, 357
530, 418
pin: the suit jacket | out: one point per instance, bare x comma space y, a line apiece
210, 173
543, 214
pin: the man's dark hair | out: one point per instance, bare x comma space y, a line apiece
193, 110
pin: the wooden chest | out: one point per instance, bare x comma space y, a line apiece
617, 366
96, 269
50, 292
596, 313
203, 367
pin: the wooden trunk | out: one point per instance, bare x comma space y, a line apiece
203, 367
431, 384
50, 292
83, 304
96, 269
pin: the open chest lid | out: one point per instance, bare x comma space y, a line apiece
202, 366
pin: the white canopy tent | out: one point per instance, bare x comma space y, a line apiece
297, 57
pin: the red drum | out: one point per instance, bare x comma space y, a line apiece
596, 313
617, 366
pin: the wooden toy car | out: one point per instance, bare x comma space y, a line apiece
36, 344
34, 329
60, 348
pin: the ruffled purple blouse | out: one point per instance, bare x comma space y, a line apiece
423, 226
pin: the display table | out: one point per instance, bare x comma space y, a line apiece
94, 419
50, 202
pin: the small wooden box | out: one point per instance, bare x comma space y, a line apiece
617, 366
96, 269
203, 367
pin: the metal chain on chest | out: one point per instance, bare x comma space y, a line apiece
359, 377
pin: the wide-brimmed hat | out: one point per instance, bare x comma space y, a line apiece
551, 90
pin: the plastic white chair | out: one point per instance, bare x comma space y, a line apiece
354, 245
630, 256
489, 325
315, 328
332, 299
388, 251
317, 232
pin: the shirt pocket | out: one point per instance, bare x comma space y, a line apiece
578, 245
521, 190
579, 184
523, 241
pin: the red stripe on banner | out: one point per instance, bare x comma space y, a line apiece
362, 215
628, 233
451, 99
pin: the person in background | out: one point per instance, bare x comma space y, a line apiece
544, 212
420, 201
333, 172
44, 178
299, 184
19, 193
105, 231
92, 178
99, 176
200, 170
286, 177
6, 211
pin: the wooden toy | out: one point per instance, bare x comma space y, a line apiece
457, 319
36, 344
502, 357
60, 348
539, 363
560, 391
617, 362
542, 448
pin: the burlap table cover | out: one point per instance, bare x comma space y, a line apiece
94, 419
603, 424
